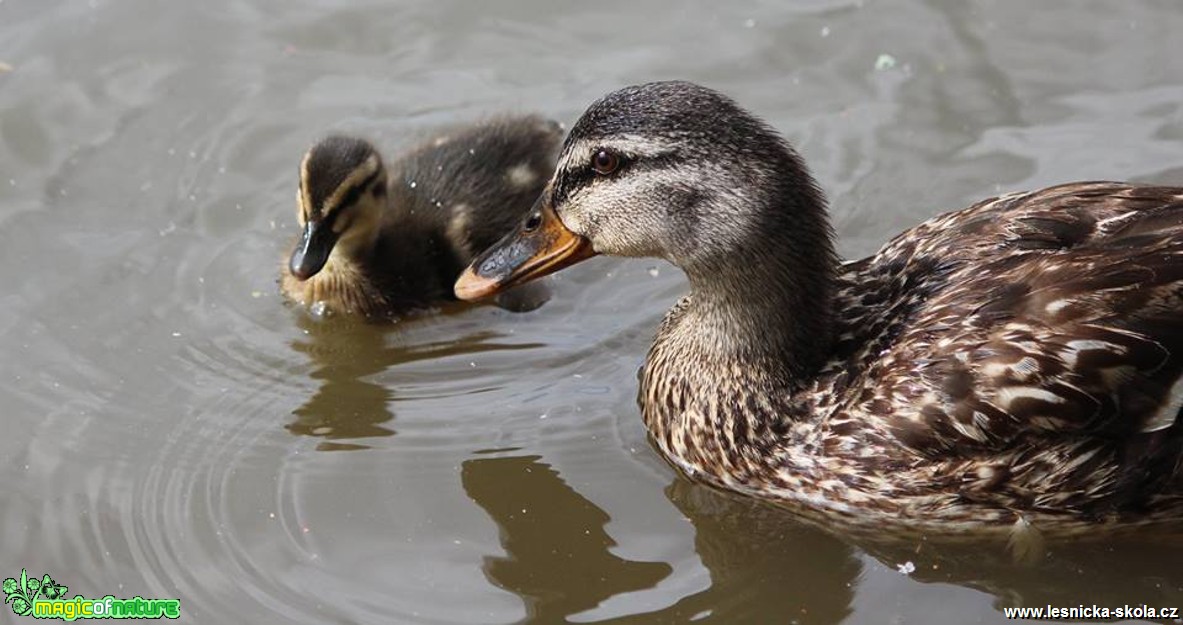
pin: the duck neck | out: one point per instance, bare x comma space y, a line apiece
722, 384
769, 303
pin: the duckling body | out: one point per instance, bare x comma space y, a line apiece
1012, 365
381, 241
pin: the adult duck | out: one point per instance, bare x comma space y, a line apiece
1015, 364
381, 241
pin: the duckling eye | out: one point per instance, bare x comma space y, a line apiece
532, 222
605, 162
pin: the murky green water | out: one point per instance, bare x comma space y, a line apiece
171, 429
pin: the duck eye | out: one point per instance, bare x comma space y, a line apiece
605, 162
532, 222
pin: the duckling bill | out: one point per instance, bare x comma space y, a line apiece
381, 240
1016, 366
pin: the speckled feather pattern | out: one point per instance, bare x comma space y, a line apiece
1012, 363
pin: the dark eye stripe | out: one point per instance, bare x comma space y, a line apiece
572, 180
355, 193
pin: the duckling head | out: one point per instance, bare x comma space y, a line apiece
670, 170
340, 203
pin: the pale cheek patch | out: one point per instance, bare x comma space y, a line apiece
618, 217
574, 217
342, 222
458, 228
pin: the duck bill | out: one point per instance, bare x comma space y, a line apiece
312, 252
523, 255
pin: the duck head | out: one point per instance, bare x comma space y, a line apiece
340, 202
670, 170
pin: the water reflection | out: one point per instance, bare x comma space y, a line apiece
557, 550
764, 566
348, 353
767, 566
1131, 571
558, 559
346, 406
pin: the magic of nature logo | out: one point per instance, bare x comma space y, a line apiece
45, 598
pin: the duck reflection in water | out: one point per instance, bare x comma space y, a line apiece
558, 560
767, 566
347, 405
350, 356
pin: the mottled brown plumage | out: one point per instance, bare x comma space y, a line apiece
1012, 366
382, 241
1010, 363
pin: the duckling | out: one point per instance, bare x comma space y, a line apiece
1012, 366
383, 241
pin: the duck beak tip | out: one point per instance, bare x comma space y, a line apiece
471, 287
312, 252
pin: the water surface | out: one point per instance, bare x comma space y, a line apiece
172, 429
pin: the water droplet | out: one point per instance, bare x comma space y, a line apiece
413, 184
885, 62
318, 309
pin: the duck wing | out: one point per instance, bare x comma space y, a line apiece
1036, 338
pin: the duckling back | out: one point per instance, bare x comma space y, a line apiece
473, 184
